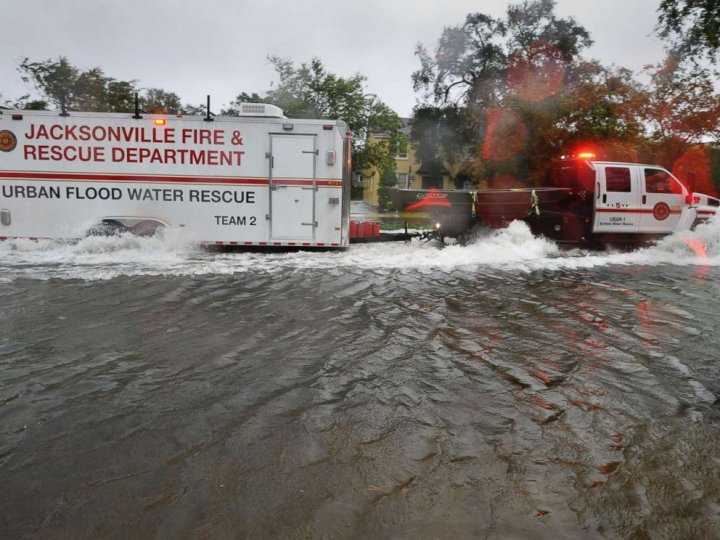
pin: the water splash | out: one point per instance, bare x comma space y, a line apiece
513, 249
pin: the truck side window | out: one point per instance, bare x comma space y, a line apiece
659, 181
617, 179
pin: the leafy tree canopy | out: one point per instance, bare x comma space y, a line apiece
311, 91
66, 87
498, 85
680, 106
693, 24
520, 94
471, 62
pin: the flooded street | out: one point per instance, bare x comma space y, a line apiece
502, 389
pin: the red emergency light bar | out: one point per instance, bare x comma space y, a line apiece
580, 155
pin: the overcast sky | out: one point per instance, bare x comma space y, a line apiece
220, 47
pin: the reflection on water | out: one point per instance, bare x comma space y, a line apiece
504, 389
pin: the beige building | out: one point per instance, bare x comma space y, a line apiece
408, 171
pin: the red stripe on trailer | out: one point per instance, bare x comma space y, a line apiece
306, 182
77, 177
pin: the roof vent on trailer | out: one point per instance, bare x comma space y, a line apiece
261, 109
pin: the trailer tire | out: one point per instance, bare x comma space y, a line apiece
146, 228
107, 227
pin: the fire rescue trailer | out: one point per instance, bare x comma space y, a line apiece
256, 180
583, 202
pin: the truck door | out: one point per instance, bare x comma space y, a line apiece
292, 187
662, 201
617, 199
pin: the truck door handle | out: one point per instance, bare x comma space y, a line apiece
644, 199
604, 198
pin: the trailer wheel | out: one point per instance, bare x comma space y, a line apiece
107, 227
146, 228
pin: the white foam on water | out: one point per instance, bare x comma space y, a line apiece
513, 249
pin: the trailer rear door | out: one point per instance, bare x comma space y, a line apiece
292, 187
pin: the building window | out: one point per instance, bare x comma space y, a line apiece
358, 180
402, 149
403, 180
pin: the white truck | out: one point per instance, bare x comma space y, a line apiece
260, 179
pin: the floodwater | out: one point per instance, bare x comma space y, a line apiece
501, 389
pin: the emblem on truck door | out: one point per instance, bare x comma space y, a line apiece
8, 141
661, 211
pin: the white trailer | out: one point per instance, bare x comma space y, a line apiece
256, 180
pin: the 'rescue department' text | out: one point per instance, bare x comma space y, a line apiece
116, 144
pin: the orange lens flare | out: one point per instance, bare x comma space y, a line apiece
698, 246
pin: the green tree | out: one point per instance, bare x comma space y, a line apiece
54, 80
120, 95
507, 79
157, 100
388, 180
310, 91
471, 62
694, 25
595, 108
25, 103
68, 88
89, 91
681, 108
